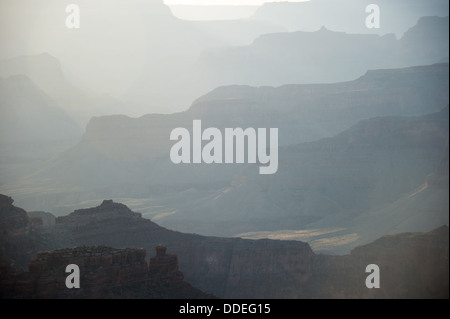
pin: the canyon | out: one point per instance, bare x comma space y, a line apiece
412, 265
92, 175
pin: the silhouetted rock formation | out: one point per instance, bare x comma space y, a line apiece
11, 217
133, 162
226, 267
165, 266
18, 237
412, 265
105, 272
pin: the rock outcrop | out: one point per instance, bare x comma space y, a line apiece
225, 267
165, 266
105, 272
412, 265
11, 218
18, 237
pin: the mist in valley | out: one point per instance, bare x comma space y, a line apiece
86, 114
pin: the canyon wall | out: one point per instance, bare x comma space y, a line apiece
105, 272
412, 265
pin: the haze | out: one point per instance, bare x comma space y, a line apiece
362, 114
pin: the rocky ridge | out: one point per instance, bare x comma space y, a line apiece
412, 265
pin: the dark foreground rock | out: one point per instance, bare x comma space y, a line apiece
105, 272
412, 265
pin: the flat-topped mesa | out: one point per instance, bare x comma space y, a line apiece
165, 266
107, 210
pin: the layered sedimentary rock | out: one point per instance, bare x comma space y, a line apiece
165, 266
104, 272
226, 267
412, 265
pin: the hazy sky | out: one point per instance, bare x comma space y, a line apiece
217, 9
225, 2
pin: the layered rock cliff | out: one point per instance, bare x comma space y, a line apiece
226, 267
104, 272
412, 265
